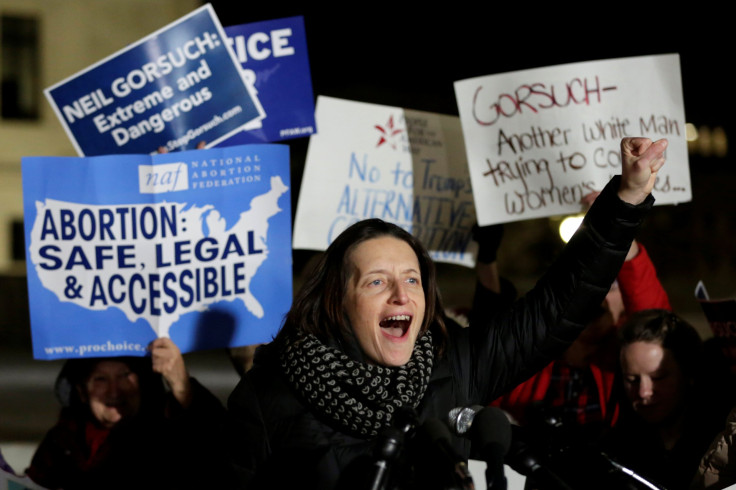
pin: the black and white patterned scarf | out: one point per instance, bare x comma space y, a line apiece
360, 397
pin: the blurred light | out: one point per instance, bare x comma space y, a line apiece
569, 226
706, 141
720, 142
691, 132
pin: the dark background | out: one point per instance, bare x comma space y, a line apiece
388, 53
409, 56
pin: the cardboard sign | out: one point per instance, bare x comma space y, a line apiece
124, 248
174, 88
539, 140
273, 56
403, 166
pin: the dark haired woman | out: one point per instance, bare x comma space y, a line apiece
365, 340
119, 427
671, 416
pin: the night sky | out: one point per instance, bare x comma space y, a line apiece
391, 54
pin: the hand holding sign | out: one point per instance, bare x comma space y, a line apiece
641, 160
167, 360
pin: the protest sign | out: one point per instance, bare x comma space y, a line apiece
721, 316
174, 88
403, 166
273, 56
539, 140
121, 249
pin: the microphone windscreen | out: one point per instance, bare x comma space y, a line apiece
490, 434
435, 431
436, 462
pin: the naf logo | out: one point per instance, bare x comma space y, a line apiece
167, 177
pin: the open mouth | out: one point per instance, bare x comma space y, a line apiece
645, 407
396, 325
116, 404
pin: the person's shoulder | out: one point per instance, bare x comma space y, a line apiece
453, 325
264, 387
457, 334
266, 356
67, 426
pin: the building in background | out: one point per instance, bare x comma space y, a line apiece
42, 42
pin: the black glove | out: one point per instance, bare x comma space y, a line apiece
489, 239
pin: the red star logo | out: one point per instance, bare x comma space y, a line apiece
388, 133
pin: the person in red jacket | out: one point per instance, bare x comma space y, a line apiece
578, 388
580, 384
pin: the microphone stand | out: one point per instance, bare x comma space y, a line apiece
386, 452
495, 478
623, 469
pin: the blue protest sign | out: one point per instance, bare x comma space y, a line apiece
273, 56
174, 88
193, 245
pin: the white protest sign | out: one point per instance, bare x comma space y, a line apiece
539, 140
403, 166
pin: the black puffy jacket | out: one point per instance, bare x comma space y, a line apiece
279, 443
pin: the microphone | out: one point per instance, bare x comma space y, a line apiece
386, 451
373, 472
522, 459
433, 439
489, 432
